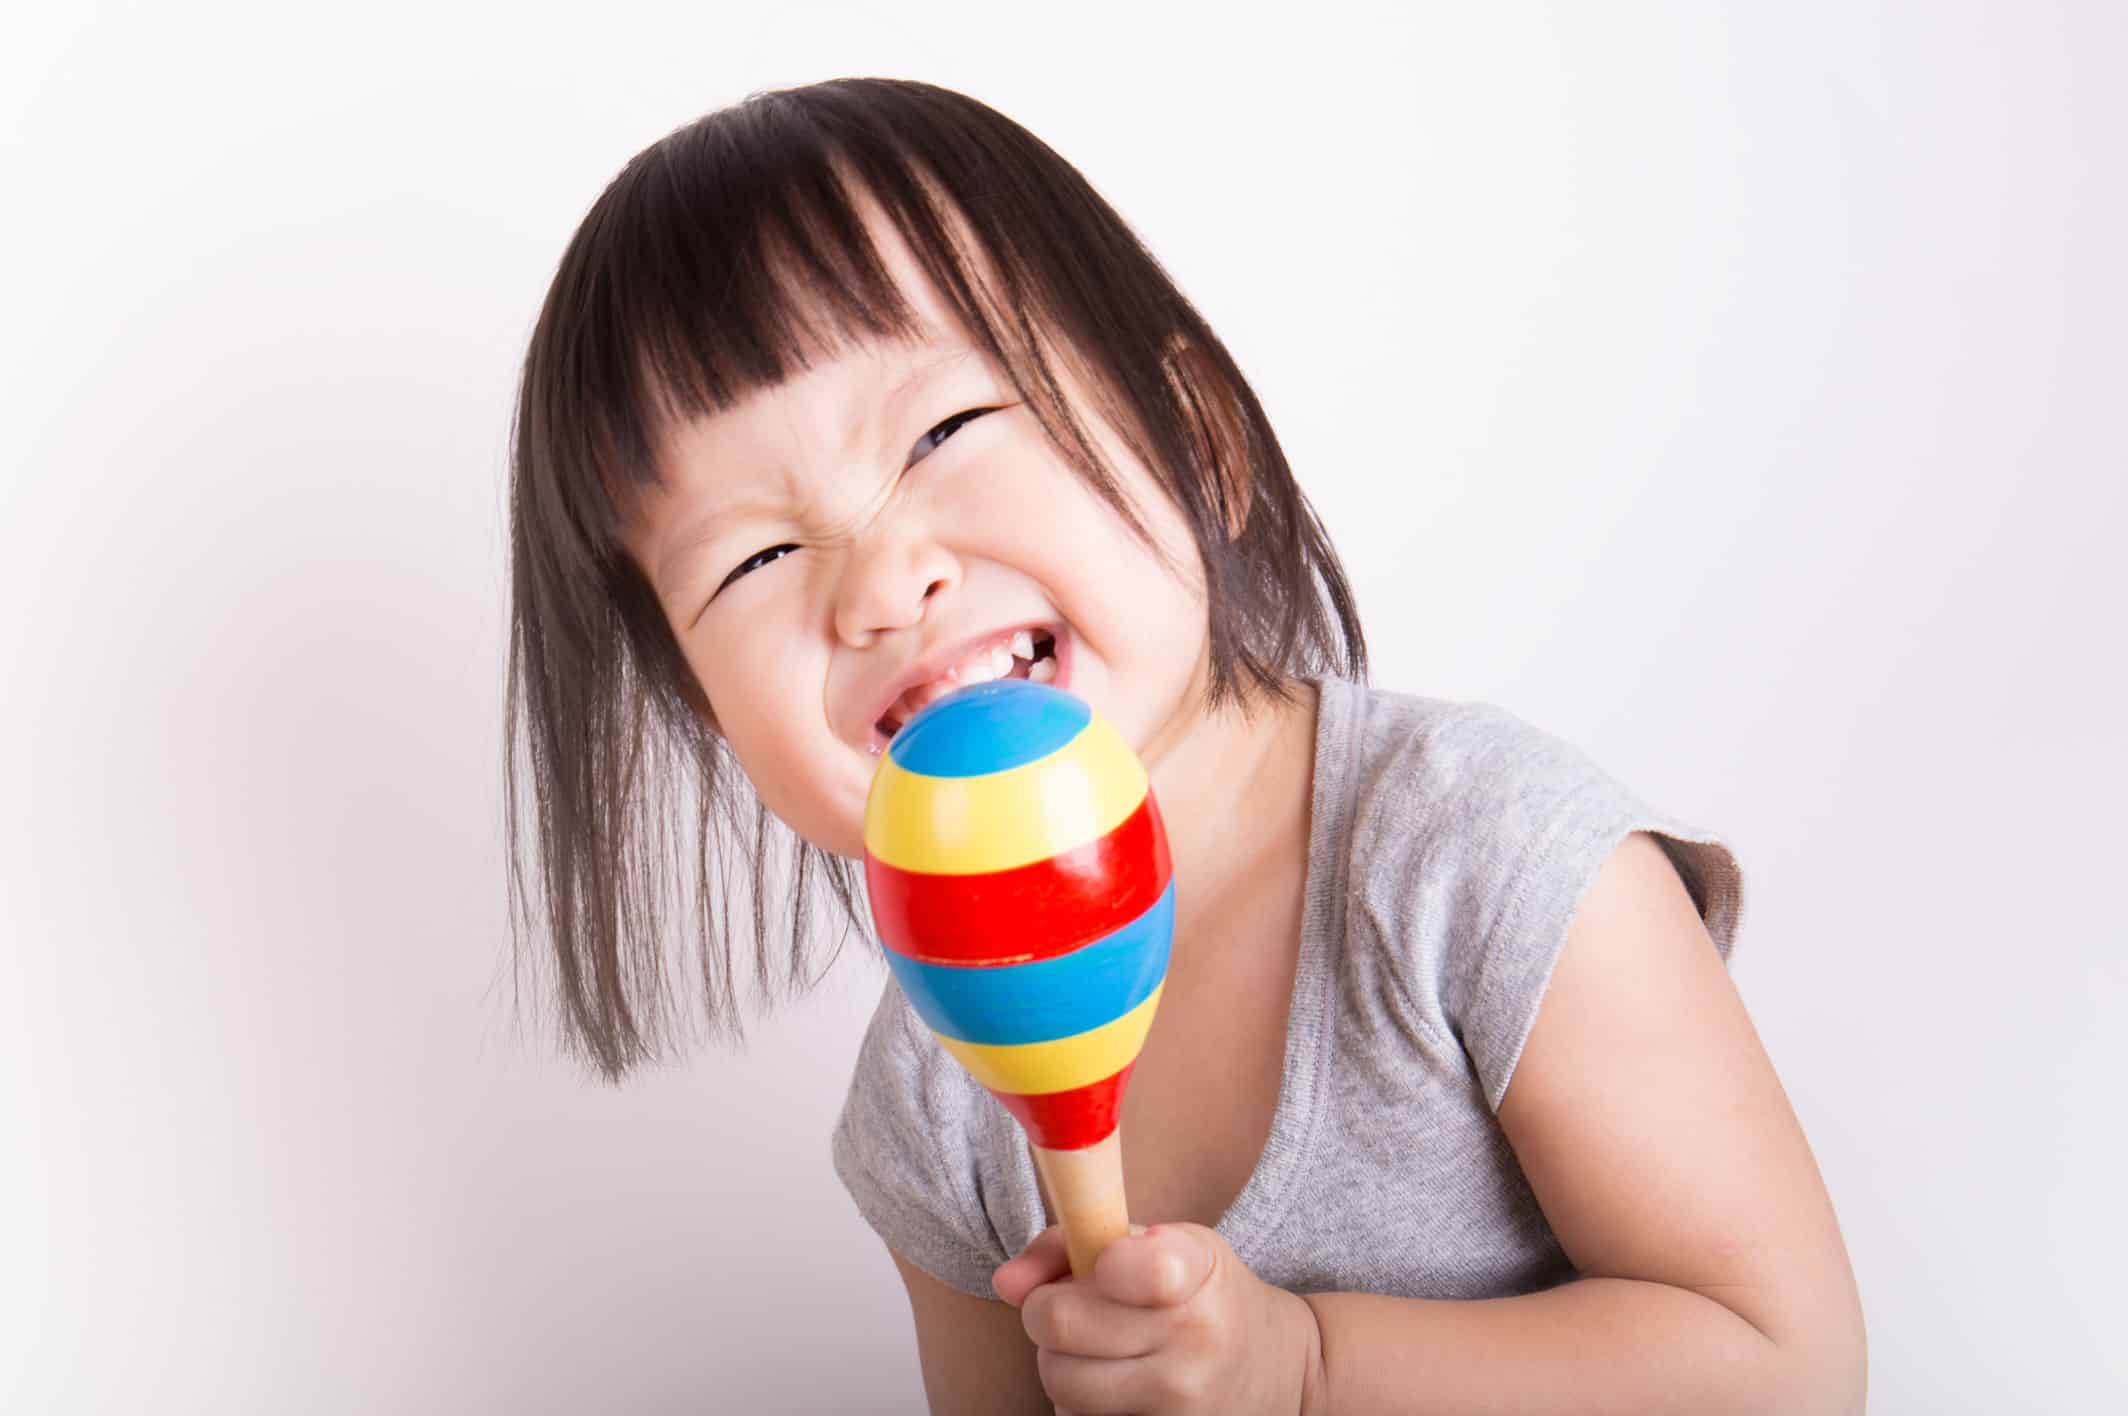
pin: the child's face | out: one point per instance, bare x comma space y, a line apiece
907, 545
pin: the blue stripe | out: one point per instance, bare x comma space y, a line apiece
1049, 998
989, 727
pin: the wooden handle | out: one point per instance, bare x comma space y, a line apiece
1086, 1188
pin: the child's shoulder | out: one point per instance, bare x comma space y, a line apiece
1453, 810
1470, 836
1473, 781
1406, 753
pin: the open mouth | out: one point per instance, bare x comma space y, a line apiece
1040, 666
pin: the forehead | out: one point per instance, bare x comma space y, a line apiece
822, 415
843, 364
839, 407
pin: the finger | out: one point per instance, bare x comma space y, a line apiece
1163, 1267
1043, 1261
1093, 1386
1075, 1320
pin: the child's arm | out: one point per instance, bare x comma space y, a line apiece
976, 1360
1668, 1162
1657, 1139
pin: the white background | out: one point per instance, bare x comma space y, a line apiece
1733, 390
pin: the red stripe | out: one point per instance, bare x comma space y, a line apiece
1071, 1120
1034, 911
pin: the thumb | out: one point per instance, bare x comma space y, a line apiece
1043, 1261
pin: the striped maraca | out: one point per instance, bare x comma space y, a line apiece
1020, 880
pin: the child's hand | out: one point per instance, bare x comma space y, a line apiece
1171, 1322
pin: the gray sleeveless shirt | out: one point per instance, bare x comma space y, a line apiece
1449, 845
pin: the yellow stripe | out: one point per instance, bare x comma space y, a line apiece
1031, 1068
1001, 820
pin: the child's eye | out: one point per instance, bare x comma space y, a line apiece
758, 559
925, 445
929, 442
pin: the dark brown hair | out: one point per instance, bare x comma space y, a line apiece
724, 257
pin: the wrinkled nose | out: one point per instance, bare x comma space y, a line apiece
887, 584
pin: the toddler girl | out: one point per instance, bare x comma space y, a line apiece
852, 393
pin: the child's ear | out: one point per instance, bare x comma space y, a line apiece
1217, 432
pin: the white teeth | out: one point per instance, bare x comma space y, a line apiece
996, 664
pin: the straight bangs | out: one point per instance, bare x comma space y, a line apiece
721, 261
735, 254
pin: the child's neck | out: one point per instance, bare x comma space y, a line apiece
1235, 796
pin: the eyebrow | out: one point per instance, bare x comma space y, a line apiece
692, 537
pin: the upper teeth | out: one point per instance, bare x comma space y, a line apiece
981, 668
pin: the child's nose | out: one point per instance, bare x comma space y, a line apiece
888, 583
